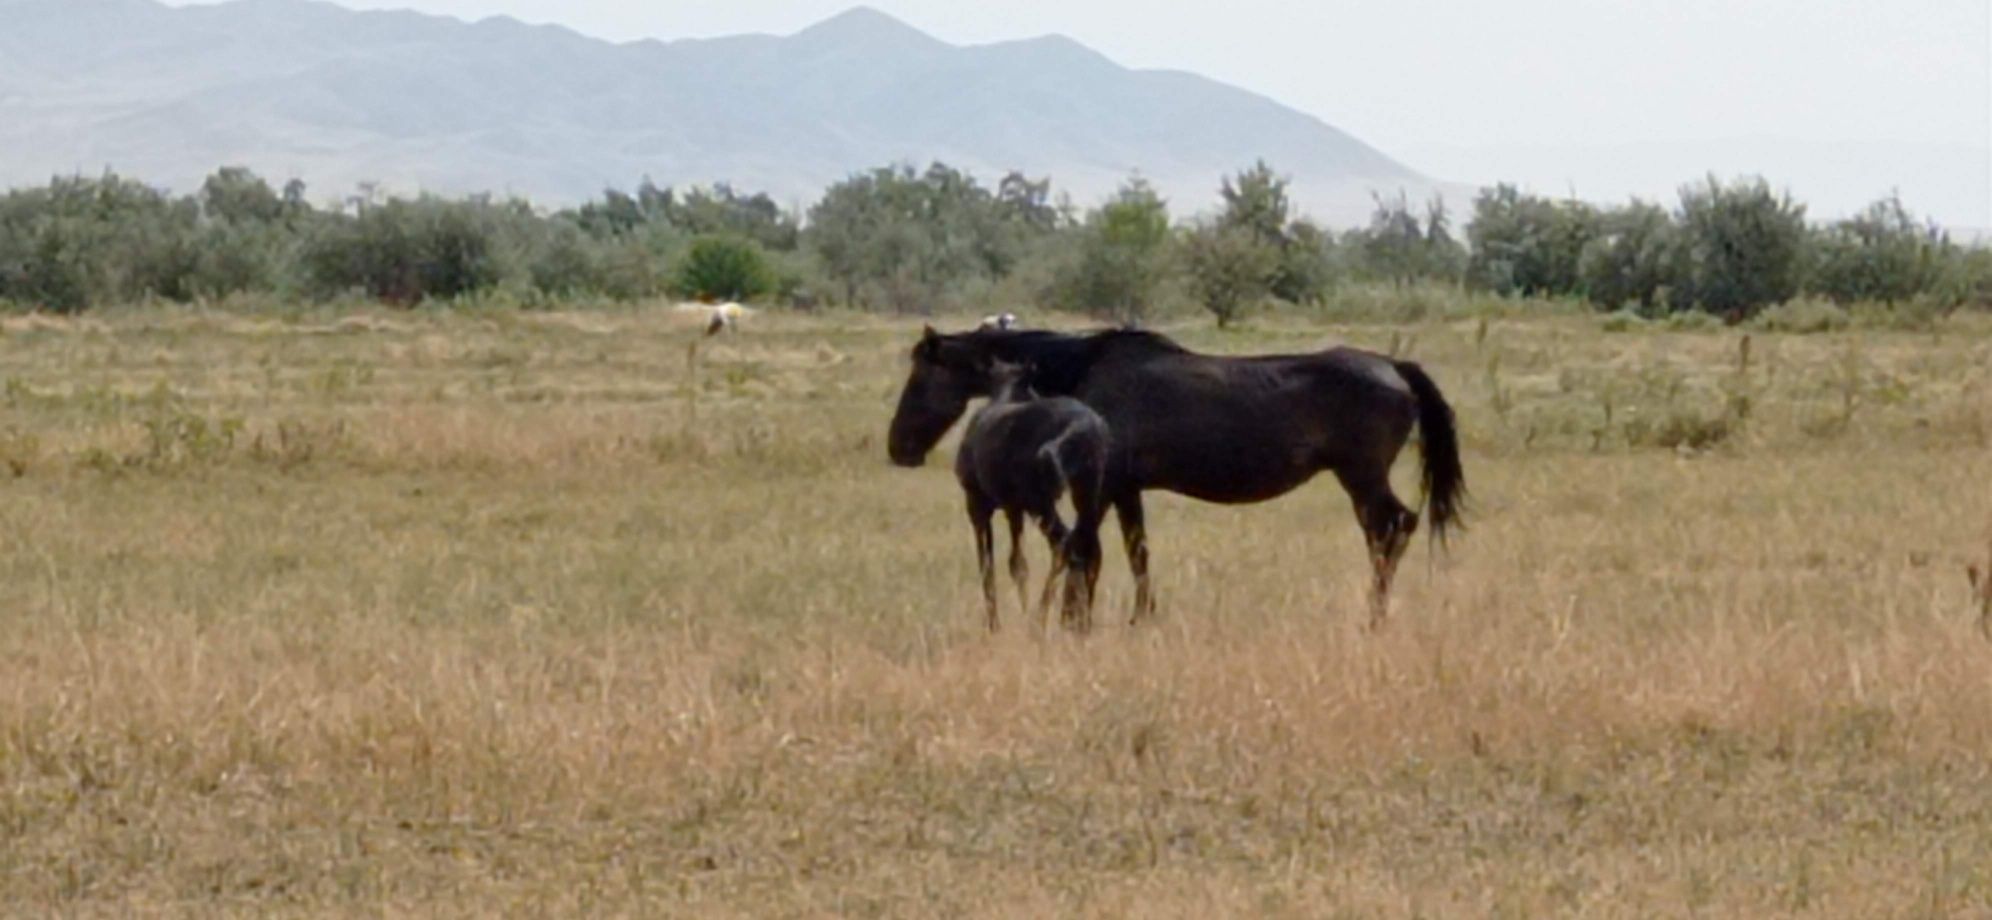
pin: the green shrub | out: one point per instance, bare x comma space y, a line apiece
1679, 430
937, 239
724, 268
1691, 321
1623, 320
1917, 314
1804, 315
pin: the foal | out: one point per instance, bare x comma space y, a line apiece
1020, 454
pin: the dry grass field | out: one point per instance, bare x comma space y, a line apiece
426, 615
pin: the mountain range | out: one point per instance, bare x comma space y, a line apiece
337, 97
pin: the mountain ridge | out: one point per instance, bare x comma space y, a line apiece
308, 89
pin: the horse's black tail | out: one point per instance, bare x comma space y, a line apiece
1445, 480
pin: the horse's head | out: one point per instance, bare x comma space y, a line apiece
948, 371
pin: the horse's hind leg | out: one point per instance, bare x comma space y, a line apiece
1082, 551
1081, 548
1134, 531
980, 511
1387, 528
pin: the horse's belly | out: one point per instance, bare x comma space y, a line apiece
1230, 445
1234, 478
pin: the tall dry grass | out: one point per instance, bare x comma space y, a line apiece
458, 616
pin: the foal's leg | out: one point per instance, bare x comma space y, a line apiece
1134, 531
980, 511
1020, 568
1054, 536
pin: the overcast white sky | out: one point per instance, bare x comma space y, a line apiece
1837, 99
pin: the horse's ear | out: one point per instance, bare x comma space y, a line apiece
929, 348
1026, 372
927, 333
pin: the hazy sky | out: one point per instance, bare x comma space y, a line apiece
1839, 100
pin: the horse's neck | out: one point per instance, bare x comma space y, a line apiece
1058, 362
1010, 391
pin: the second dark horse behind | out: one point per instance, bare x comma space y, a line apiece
1233, 430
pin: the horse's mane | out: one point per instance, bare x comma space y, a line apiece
1059, 360
1136, 338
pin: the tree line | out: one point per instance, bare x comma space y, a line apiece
918, 240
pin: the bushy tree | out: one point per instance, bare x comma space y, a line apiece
695, 211
79, 242
249, 234
1257, 204
1881, 254
1229, 268
237, 196
616, 214
1027, 218
1307, 264
1631, 259
406, 251
724, 268
1400, 247
242, 258
636, 265
1968, 277
1528, 245
720, 210
565, 262
1026, 204
909, 238
1120, 257
1742, 247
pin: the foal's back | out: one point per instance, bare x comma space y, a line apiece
1025, 453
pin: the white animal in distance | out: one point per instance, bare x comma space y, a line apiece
718, 318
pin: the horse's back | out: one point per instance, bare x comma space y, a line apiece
1249, 428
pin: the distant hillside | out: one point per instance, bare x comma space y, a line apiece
301, 89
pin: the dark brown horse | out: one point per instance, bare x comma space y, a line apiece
1019, 455
1232, 430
